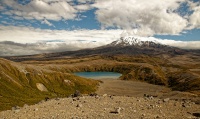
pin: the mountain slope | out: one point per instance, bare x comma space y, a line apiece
19, 84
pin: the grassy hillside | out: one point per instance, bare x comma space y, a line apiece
18, 84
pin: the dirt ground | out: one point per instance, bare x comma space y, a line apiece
139, 89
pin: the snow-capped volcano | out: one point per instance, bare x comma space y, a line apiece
134, 41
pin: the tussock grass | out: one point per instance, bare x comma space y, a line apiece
19, 88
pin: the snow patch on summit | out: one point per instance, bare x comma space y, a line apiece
135, 41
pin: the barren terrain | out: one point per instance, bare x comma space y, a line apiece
139, 89
116, 99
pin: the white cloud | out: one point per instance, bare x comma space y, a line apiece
83, 7
46, 9
42, 9
85, 1
31, 35
11, 48
182, 44
18, 18
194, 18
47, 22
149, 17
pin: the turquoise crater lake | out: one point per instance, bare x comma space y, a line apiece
99, 75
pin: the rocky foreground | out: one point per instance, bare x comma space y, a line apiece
106, 107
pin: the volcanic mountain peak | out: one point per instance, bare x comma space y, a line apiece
134, 41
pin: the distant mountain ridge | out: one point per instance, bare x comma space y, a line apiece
129, 45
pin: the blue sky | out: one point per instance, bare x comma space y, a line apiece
190, 35
174, 20
87, 21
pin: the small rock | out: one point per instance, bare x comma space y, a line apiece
111, 97
93, 94
82, 97
185, 105
150, 106
57, 99
104, 95
18, 110
77, 98
68, 82
157, 117
36, 109
197, 114
15, 108
46, 98
79, 105
97, 97
166, 100
41, 87
42, 101
25, 105
76, 93
157, 106
143, 115
116, 111
151, 98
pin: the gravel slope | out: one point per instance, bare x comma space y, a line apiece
108, 107
140, 104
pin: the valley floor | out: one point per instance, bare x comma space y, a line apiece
139, 89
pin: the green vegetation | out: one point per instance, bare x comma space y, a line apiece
19, 88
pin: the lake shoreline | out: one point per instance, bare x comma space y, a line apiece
99, 75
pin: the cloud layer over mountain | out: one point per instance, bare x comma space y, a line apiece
33, 41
